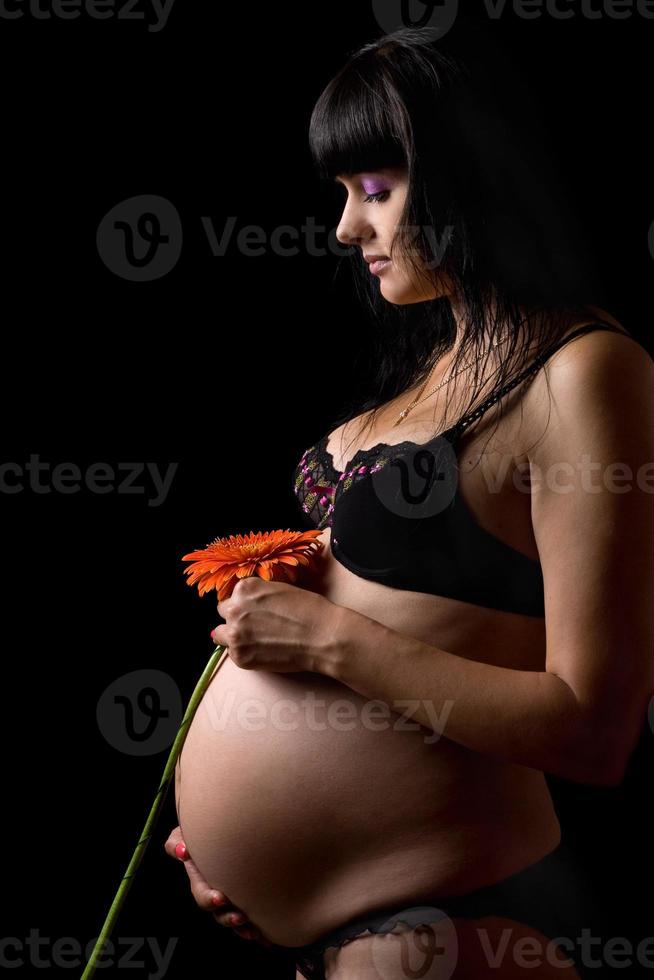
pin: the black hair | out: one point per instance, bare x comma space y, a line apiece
458, 116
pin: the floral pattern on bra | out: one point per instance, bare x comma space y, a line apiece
317, 482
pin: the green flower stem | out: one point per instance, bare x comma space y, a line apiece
125, 885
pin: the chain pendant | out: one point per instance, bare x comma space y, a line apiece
402, 415
406, 411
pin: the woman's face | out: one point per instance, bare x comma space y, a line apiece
374, 205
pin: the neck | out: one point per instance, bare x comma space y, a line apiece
459, 314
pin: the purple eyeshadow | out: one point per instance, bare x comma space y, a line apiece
371, 186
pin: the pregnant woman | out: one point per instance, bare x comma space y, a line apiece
364, 780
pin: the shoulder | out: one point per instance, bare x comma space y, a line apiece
598, 375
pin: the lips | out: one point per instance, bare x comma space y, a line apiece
379, 264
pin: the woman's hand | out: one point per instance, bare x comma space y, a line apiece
279, 627
210, 899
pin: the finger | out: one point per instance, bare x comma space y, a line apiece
246, 933
173, 841
207, 898
221, 635
233, 917
250, 931
255, 936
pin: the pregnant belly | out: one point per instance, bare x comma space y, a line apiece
287, 781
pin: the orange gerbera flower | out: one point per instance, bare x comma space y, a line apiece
272, 555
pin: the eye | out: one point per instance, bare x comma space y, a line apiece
380, 196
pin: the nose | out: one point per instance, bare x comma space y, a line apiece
353, 228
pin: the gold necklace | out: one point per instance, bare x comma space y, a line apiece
403, 414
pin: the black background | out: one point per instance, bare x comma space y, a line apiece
227, 368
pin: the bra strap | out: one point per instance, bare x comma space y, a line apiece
467, 420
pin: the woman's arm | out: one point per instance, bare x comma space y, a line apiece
593, 517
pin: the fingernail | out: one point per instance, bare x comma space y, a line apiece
235, 918
217, 899
180, 851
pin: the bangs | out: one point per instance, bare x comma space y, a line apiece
354, 125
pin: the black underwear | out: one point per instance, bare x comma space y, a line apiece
554, 896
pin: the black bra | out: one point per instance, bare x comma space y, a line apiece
396, 517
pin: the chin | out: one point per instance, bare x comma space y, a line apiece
404, 295
401, 291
